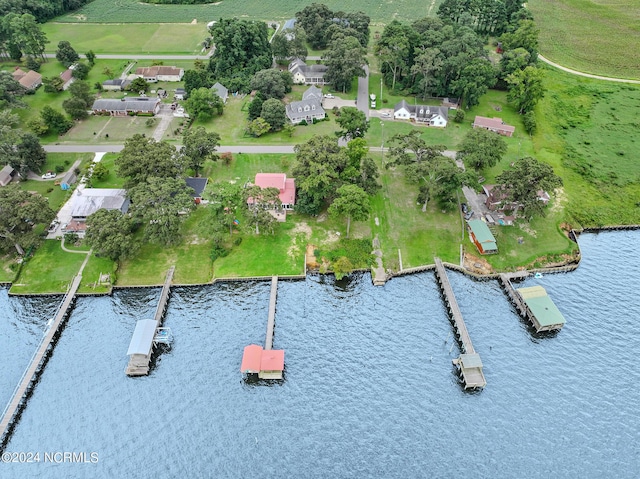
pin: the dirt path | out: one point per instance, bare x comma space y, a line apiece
587, 75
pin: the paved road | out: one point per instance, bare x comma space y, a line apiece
587, 75
122, 56
117, 148
363, 92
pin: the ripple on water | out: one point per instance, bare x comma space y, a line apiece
370, 390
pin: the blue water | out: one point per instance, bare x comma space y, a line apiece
370, 390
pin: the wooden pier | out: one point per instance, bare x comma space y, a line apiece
139, 363
39, 359
268, 341
469, 363
505, 279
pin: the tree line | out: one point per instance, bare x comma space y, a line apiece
42, 10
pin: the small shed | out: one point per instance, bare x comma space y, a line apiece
68, 179
481, 236
221, 91
544, 314
6, 175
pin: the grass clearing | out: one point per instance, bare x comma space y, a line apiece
599, 37
112, 180
50, 270
144, 38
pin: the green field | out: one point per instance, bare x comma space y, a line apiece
183, 38
600, 37
132, 11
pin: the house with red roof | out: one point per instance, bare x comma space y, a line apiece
286, 186
67, 78
494, 124
30, 80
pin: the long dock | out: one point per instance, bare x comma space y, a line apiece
469, 363
15, 406
139, 363
268, 341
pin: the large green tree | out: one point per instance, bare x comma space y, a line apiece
522, 183
481, 148
274, 113
161, 205
11, 91
474, 80
315, 19
142, 158
66, 54
203, 104
353, 203
78, 106
26, 34
242, 49
318, 170
526, 88
225, 200
55, 121
345, 60
353, 122
262, 200
198, 146
110, 234
272, 83
20, 211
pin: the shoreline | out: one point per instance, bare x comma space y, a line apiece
563, 268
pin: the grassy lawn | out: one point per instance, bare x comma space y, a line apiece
141, 38
403, 226
111, 180
50, 270
244, 167
265, 255
8, 268
132, 11
91, 275
231, 127
106, 129
191, 258
600, 37
586, 131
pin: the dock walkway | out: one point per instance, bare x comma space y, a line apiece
513, 296
38, 361
268, 342
469, 363
139, 363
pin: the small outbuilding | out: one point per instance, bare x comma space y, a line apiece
543, 313
6, 175
481, 236
266, 363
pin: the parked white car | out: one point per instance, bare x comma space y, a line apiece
329, 95
48, 175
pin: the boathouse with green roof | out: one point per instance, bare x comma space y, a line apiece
543, 313
482, 237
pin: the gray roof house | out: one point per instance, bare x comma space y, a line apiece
90, 200
427, 114
307, 74
221, 91
308, 109
6, 175
117, 84
198, 185
126, 106
312, 93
